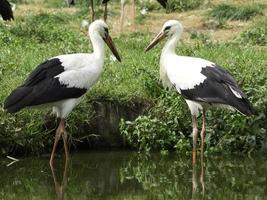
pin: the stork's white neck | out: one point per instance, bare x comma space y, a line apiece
171, 44
98, 46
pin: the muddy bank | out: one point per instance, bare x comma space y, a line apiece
103, 128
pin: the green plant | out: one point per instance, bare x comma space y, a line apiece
235, 12
162, 127
183, 5
256, 34
172, 5
202, 37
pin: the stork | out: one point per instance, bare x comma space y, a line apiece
163, 3
60, 81
103, 2
6, 10
70, 3
201, 82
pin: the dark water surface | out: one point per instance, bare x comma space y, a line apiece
132, 176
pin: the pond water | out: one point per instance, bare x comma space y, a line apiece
132, 176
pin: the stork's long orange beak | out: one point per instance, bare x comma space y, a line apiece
112, 47
160, 36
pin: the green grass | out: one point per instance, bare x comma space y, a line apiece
256, 34
237, 12
183, 5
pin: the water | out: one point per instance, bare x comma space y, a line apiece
132, 176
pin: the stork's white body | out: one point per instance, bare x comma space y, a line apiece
182, 72
80, 71
185, 73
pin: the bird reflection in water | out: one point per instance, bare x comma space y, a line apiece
201, 179
60, 186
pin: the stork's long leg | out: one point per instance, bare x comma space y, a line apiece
57, 138
65, 141
92, 9
194, 181
105, 11
202, 175
133, 8
122, 15
195, 131
202, 134
60, 132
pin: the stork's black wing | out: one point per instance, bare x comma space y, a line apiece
47, 69
70, 2
5, 10
104, 1
42, 87
163, 3
219, 87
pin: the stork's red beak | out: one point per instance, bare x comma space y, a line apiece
112, 47
161, 35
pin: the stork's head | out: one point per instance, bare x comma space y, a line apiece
171, 28
100, 28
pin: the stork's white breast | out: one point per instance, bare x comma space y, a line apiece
185, 72
81, 70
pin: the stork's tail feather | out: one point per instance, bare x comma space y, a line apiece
18, 99
245, 107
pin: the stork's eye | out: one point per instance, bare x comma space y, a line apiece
106, 30
167, 28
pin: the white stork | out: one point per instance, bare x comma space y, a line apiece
60, 81
202, 83
163, 3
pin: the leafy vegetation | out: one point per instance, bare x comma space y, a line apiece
172, 5
236, 12
255, 35
183, 5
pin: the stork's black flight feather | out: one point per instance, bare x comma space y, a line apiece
220, 88
163, 3
41, 87
104, 1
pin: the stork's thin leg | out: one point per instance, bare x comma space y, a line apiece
202, 134
105, 11
65, 140
133, 8
122, 15
60, 132
202, 179
194, 181
92, 9
194, 122
57, 138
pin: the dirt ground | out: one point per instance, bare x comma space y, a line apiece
193, 21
